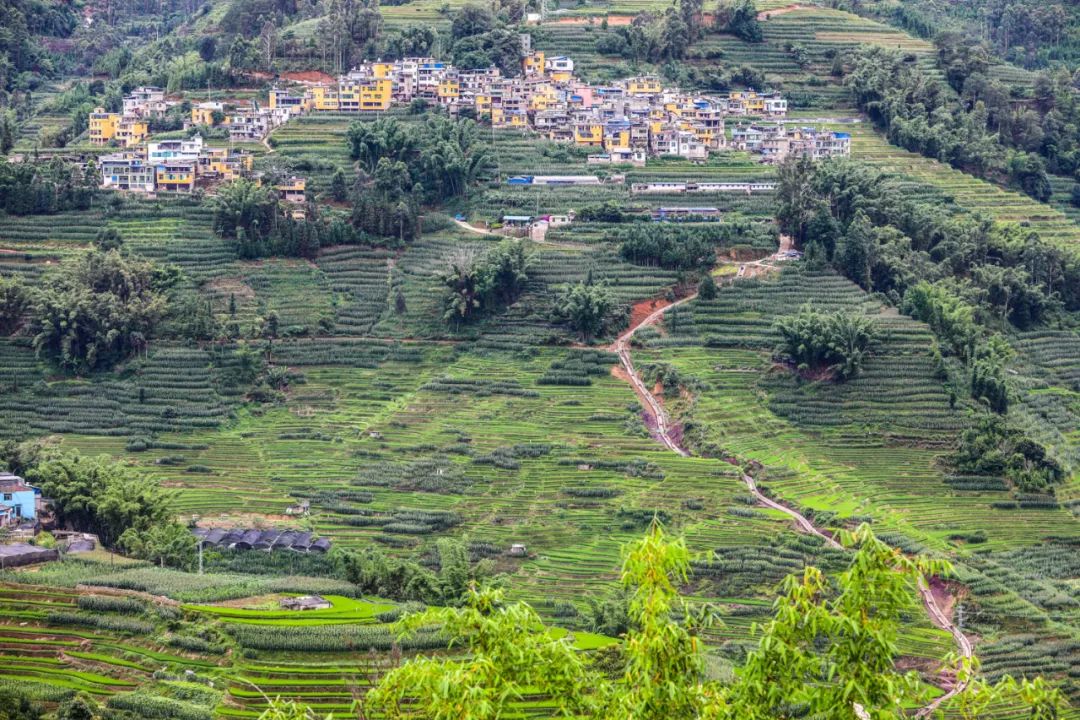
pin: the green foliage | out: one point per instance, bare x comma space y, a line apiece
920, 114
678, 249
837, 341
244, 209
165, 544
443, 156
948, 315
377, 573
78, 707
15, 300
588, 308
992, 448
16, 707
483, 283
279, 709
508, 655
98, 309
37, 187
664, 659
827, 649
108, 238
739, 17
707, 287
99, 496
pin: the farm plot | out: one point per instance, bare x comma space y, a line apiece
968, 192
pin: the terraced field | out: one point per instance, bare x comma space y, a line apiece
400, 430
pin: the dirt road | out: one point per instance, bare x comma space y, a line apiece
662, 432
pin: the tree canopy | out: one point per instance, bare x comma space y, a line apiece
98, 309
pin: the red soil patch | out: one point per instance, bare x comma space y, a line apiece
766, 14
644, 308
612, 20
307, 76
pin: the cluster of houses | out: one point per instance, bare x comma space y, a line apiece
181, 166
625, 121
261, 539
129, 128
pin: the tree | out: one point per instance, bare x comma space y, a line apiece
102, 497
707, 287
279, 709
98, 309
339, 190
739, 17
242, 205
586, 307
839, 342
17, 707
827, 649
507, 655
506, 268
471, 20
463, 281
15, 301
856, 253
108, 238
78, 707
797, 201
168, 545
665, 662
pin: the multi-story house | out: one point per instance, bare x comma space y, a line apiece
250, 125
283, 99
224, 164
559, 68
146, 102
132, 131
175, 175
103, 126
189, 149
126, 171
203, 113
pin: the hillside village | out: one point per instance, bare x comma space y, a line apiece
625, 122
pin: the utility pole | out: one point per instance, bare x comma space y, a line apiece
200, 557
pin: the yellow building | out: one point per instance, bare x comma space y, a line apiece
175, 176
370, 95
617, 139
643, 86
382, 70
103, 126
562, 76
377, 95
324, 97
132, 132
482, 104
225, 163
292, 190
589, 134
448, 90
533, 63
498, 117
280, 98
203, 113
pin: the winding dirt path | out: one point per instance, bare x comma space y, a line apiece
938, 617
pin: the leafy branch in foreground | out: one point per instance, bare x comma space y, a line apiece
830, 651
508, 654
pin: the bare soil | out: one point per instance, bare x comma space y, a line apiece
766, 14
